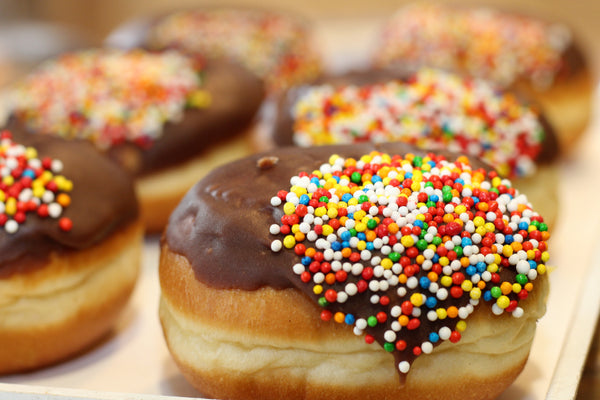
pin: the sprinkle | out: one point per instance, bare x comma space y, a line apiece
106, 96
275, 47
430, 269
18, 199
433, 110
485, 43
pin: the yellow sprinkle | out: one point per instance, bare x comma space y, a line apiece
461, 326
441, 313
416, 299
289, 241
475, 293
318, 289
492, 268
541, 269
478, 221
407, 241
503, 302
386, 263
289, 208
446, 281
466, 285
319, 211
11, 206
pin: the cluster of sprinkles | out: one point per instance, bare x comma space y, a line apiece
404, 248
486, 43
30, 184
432, 109
109, 96
275, 47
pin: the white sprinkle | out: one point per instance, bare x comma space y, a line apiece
298, 268
11, 226
274, 229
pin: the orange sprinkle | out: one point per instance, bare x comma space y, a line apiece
330, 278
452, 312
403, 320
63, 199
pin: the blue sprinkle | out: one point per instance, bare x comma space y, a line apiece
434, 197
345, 244
346, 197
471, 270
408, 175
523, 226
349, 319
315, 180
460, 180
336, 246
418, 223
481, 267
29, 173
346, 235
424, 282
361, 236
431, 302
435, 258
508, 239
466, 242
350, 215
304, 199
376, 178
432, 163
532, 264
306, 260
370, 246
475, 199
434, 337
487, 295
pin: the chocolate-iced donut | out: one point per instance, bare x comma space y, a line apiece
70, 247
275, 46
538, 57
162, 116
276, 269
429, 108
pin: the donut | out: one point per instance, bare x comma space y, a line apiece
165, 117
275, 46
429, 108
70, 248
280, 271
538, 57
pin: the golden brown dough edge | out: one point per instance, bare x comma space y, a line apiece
262, 319
160, 192
58, 310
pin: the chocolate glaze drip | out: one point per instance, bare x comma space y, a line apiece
281, 131
222, 228
102, 202
236, 96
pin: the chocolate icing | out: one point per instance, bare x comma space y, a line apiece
281, 129
235, 96
102, 202
222, 227
222, 224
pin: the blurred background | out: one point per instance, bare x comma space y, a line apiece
31, 30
